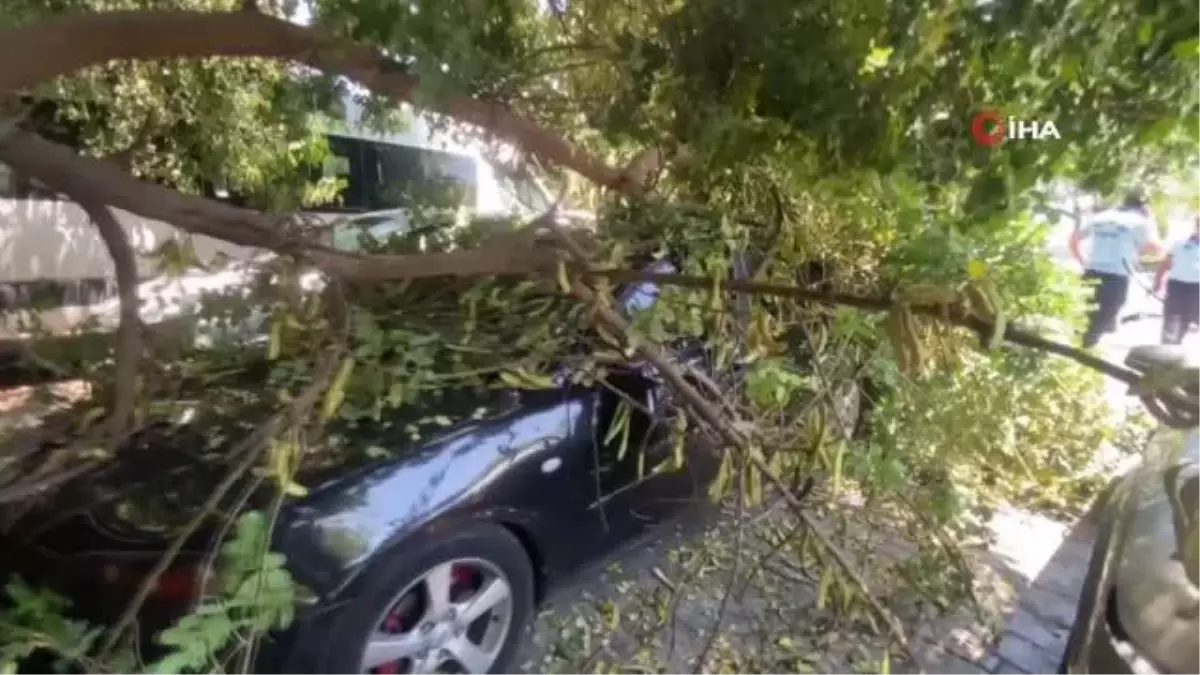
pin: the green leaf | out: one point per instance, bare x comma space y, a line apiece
1158, 131
522, 379
294, 489
1145, 31
1186, 50
823, 587
876, 59
337, 390
720, 484
976, 269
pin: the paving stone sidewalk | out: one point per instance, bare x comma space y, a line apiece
1044, 563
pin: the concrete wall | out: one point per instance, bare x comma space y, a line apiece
52, 239
50, 247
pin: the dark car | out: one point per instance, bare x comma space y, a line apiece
431, 561
1139, 607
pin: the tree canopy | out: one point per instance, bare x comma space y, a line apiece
830, 140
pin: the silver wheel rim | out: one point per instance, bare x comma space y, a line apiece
453, 618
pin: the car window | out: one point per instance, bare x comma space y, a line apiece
638, 296
400, 176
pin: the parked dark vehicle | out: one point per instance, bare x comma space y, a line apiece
432, 562
1140, 603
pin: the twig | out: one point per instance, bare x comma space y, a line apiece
894, 627
713, 417
761, 563
896, 630
776, 547
48, 480
1015, 335
250, 448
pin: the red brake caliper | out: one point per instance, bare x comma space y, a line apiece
394, 623
460, 575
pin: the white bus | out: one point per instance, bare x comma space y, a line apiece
51, 255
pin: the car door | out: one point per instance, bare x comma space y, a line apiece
636, 469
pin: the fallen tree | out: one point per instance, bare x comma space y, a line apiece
762, 153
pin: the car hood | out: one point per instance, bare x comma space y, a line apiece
161, 478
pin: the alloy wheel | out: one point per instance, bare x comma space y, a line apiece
454, 618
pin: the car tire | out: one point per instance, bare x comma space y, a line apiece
344, 631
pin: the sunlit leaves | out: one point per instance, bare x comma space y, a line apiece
772, 383
1186, 50
193, 124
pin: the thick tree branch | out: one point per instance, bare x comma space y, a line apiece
128, 355
1013, 334
33, 54
129, 331
80, 346
71, 173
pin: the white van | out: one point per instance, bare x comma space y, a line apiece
50, 253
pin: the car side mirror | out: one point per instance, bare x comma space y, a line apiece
1144, 358
642, 295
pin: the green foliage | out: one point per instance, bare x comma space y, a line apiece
239, 123
1020, 427
37, 622
253, 593
1034, 286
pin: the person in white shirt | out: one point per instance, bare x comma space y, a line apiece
1119, 236
1181, 271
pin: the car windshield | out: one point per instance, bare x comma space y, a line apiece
349, 236
521, 195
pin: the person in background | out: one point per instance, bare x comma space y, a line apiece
1181, 271
1119, 237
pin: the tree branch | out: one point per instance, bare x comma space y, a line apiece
541, 261
674, 374
59, 166
32, 54
71, 173
128, 355
129, 331
1013, 334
